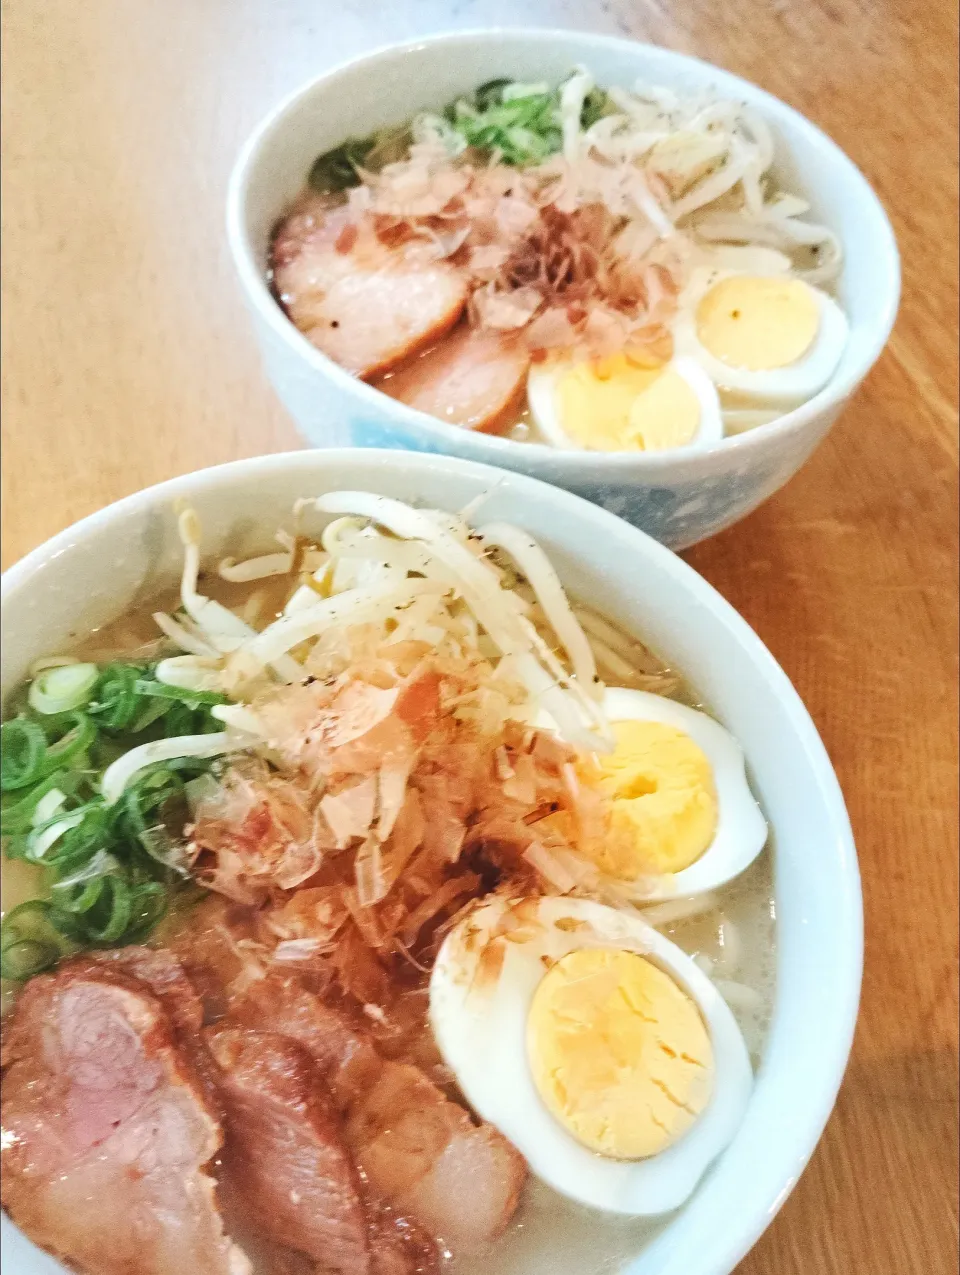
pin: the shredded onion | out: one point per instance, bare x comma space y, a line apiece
493, 607
40, 842
222, 629
351, 607
119, 773
268, 564
538, 569
572, 98
47, 806
189, 672
178, 632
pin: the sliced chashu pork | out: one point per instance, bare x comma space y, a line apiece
163, 974
107, 1126
473, 379
417, 1149
284, 1151
365, 305
286, 1164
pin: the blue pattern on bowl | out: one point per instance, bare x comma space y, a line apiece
677, 516
687, 512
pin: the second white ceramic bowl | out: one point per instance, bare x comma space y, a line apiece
679, 497
119, 558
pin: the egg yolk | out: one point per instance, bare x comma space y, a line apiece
663, 802
619, 1054
758, 323
615, 405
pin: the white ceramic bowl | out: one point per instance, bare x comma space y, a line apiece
118, 558
679, 497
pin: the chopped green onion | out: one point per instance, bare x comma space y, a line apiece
490, 94
148, 906
153, 710
336, 169
62, 688
519, 122
17, 815
130, 700
109, 917
71, 745
522, 130
108, 912
148, 794
101, 865
66, 845
29, 942
116, 700
22, 959
164, 690
75, 904
46, 835
178, 719
595, 106
22, 748
111, 869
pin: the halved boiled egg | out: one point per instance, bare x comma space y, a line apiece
682, 819
772, 338
594, 1044
618, 405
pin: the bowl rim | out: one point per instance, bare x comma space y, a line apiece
494, 447
793, 1148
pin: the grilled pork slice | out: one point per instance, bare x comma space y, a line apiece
284, 1151
474, 379
286, 1166
398, 1246
365, 305
164, 976
417, 1149
107, 1126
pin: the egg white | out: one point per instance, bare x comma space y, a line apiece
782, 386
741, 828
481, 1034
542, 398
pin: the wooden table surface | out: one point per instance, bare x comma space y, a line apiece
127, 359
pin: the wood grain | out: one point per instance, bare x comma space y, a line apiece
127, 359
